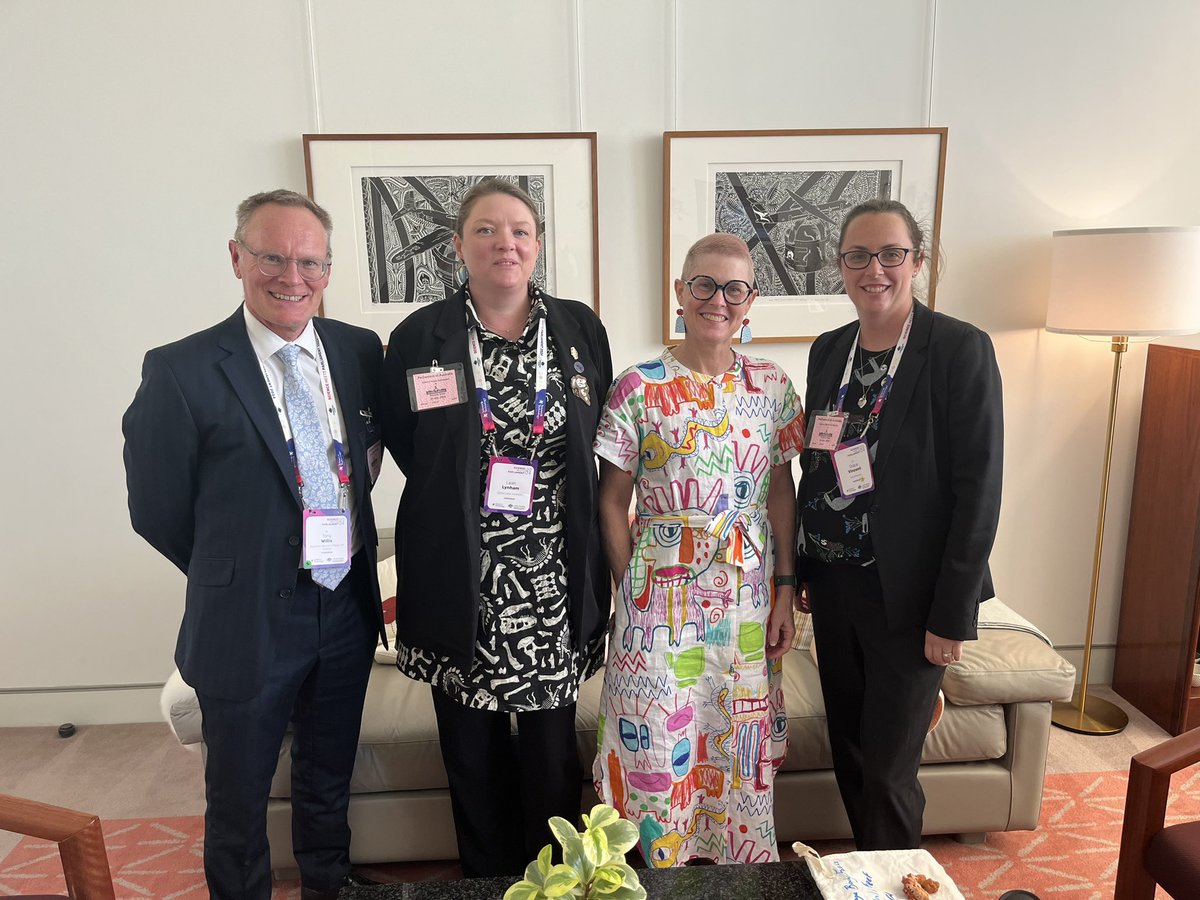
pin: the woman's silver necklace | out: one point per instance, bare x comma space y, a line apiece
870, 369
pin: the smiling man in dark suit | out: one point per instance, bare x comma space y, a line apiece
250, 451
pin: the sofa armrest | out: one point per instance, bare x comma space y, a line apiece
1008, 667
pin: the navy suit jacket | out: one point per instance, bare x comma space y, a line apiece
212, 488
938, 468
438, 522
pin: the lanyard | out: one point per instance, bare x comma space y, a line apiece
335, 420
541, 380
885, 386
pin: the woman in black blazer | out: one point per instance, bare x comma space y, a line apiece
898, 505
491, 400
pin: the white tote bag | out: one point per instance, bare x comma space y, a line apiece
874, 874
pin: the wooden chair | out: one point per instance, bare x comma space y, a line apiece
1152, 854
79, 838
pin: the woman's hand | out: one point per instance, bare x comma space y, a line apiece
940, 651
781, 628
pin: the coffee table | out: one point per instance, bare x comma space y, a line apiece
763, 881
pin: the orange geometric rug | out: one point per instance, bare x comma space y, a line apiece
1071, 856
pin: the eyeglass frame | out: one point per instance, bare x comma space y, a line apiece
327, 264
721, 287
870, 256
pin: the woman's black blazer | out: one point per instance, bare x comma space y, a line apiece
438, 522
938, 470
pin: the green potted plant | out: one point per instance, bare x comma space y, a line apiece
593, 863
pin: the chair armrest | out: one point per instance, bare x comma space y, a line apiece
79, 837
1146, 807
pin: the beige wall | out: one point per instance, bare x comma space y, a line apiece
131, 129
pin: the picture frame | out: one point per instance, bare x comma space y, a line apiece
394, 197
785, 192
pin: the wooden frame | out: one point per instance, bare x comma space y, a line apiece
393, 199
785, 192
1146, 809
80, 840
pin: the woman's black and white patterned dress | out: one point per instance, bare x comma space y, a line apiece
525, 653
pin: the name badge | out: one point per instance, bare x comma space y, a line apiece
509, 486
852, 465
375, 460
825, 430
326, 538
436, 386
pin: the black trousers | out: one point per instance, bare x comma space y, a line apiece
879, 695
323, 656
503, 789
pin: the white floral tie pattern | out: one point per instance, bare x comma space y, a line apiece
312, 451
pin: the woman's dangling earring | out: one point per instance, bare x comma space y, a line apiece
680, 327
461, 273
746, 335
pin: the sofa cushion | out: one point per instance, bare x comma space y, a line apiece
964, 733
1005, 667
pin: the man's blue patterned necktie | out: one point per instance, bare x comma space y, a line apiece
312, 450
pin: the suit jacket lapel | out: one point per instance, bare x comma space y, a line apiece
911, 366
242, 369
567, 336
462, 421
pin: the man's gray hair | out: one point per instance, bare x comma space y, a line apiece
282, 197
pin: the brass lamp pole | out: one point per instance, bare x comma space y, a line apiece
1077, 714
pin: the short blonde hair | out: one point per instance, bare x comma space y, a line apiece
719, 244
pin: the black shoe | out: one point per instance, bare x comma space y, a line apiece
353, 879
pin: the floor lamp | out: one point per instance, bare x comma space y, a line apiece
1118, 283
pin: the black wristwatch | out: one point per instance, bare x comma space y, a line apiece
781, 580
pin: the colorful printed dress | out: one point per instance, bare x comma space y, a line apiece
692, 725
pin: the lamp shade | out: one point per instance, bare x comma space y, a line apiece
1125, 281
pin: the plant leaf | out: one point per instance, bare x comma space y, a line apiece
622, 836
607, 879
572, 844
595, 846
602, 816
627, 892
524, 890
544, 862
561, 881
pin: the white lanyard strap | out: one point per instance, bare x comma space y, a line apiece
885, 386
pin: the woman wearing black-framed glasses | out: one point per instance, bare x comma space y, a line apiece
898, 505
693, 686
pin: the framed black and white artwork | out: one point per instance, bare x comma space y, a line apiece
785, 193
394, 199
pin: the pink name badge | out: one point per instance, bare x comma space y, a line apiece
510, 485
826, 431
436, 386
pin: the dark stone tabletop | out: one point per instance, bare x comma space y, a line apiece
766, 881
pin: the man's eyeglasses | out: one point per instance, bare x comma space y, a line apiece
273, 265
889, 257
704, 288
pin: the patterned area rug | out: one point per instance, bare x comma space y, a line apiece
1072, 855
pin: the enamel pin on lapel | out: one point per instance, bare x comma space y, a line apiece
579, 385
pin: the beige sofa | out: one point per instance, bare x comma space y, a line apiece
983, 765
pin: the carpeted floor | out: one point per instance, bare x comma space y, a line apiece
1071, 856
